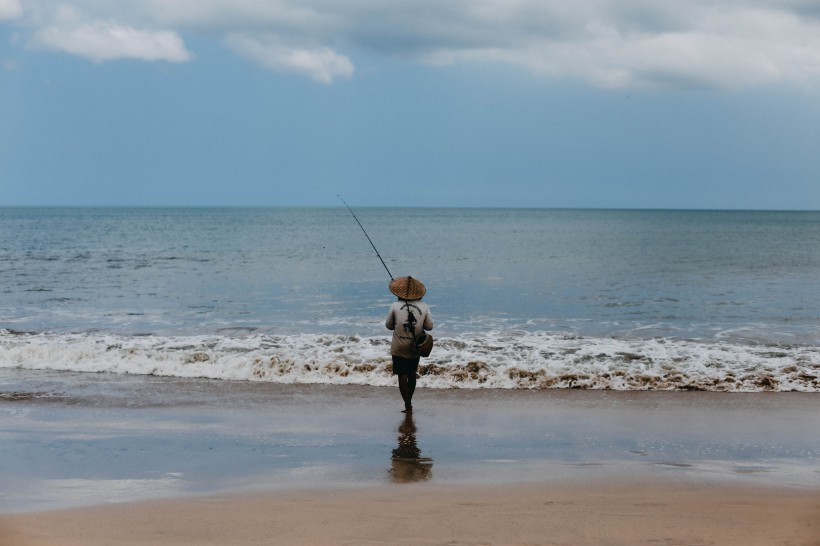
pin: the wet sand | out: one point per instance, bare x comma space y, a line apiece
581, 513
140, 460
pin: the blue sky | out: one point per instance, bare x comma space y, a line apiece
636, 103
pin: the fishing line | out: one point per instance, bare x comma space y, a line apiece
366, 235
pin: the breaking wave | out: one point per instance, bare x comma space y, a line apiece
500, 360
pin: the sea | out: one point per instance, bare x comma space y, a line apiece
521, 298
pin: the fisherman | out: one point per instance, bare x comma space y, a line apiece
409, 317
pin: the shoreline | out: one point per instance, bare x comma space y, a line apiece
616, 512
505, 359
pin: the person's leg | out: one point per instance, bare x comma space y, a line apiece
406, 390
411, 388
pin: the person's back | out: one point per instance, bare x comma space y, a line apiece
408, 320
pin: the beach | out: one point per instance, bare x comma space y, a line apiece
219, 462
582, 513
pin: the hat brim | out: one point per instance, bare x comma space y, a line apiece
407, 288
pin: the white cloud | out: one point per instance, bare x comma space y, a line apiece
69, 30
707, 46
10, 9
107, 40
322, 64
720, 44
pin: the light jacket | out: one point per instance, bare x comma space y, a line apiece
405, 330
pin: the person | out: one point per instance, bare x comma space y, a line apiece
409, 317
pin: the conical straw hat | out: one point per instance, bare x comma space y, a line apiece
407, 288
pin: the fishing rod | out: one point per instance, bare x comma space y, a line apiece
366, 235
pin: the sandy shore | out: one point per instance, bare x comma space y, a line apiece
141, 460
583, 513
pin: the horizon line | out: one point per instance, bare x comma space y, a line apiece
442, 207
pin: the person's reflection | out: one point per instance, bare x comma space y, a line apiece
407, 464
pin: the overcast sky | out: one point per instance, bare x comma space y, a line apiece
551, 103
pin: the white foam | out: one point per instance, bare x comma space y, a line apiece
506, 360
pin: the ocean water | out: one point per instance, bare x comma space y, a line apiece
522, 298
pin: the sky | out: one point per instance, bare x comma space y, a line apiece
466, 103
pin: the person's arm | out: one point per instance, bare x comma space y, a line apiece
428, 320
391, 319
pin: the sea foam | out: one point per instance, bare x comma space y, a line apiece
503, 360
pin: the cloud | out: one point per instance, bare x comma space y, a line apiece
729, 45
69, 30
724, 51
10, 9
713, 44
322, 63
105, 39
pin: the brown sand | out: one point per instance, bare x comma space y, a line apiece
654, 513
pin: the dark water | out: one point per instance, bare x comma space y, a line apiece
161, 271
